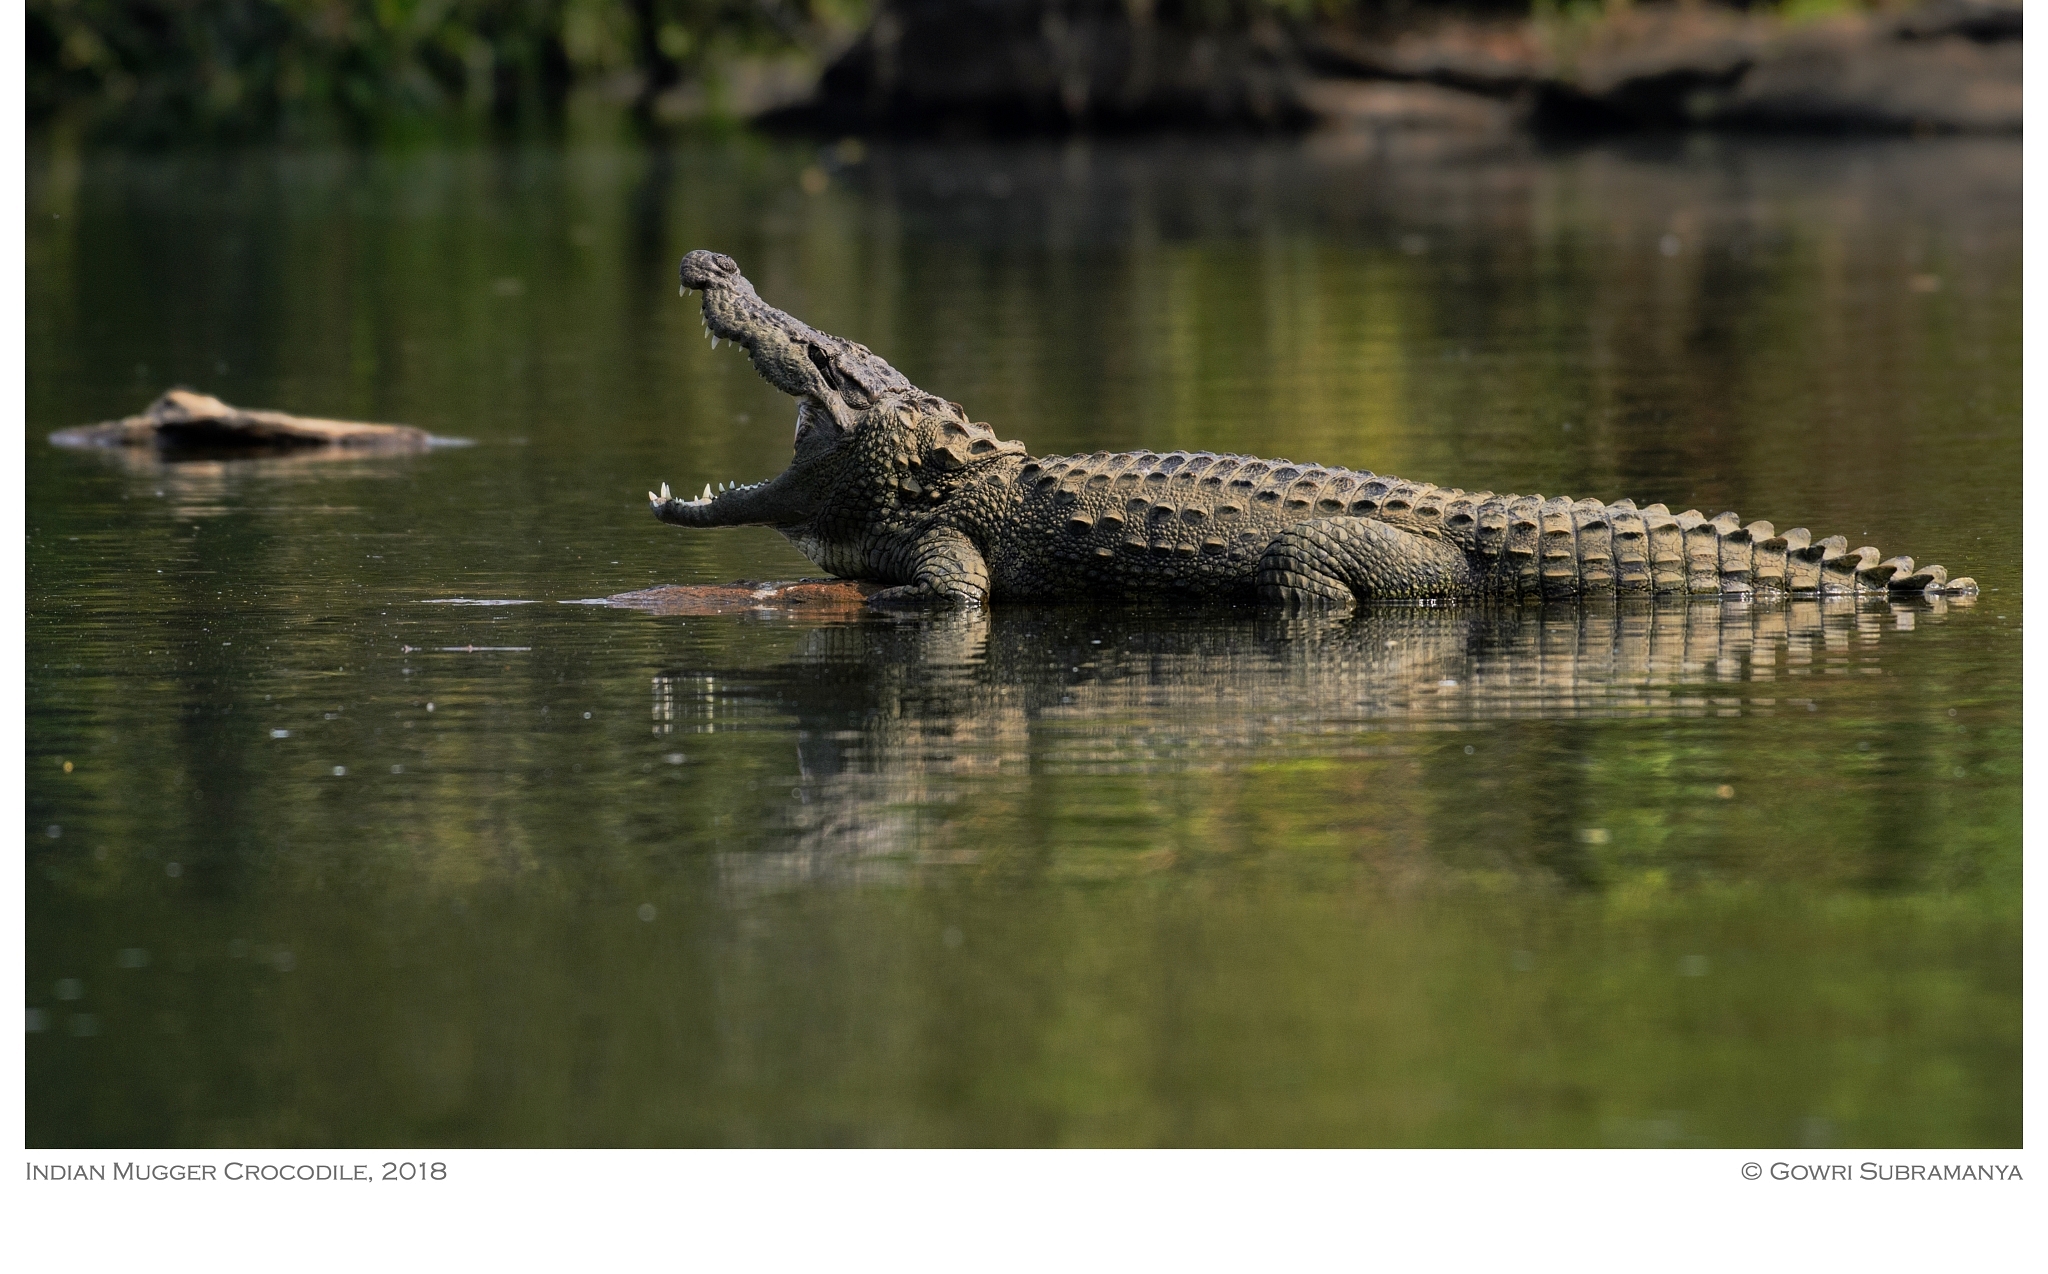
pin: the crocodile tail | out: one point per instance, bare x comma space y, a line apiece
1428, 506
1629, 532
1412, 506
1593, 525
1559, 548
1667, 550
1557, 566
1462, 513
1524, 527
1554, 548
1689, 553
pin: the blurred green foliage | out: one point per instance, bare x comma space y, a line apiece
209, 67
174, 68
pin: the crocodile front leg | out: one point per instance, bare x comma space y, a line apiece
945, 570
1334, 562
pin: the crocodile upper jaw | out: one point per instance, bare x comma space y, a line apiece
835, 382
840, 377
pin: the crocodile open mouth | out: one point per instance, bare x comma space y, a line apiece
735, 503
833, 380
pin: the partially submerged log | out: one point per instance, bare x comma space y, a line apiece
188, 421
814, 597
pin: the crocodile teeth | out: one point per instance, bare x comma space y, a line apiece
664, 492
714, 342
653, 498
707, 492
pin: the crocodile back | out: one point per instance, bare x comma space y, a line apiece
1200, 521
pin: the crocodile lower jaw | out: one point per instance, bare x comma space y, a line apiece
705, 510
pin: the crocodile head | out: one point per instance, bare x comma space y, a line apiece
864, 433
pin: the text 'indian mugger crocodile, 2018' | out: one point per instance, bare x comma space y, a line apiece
891, 484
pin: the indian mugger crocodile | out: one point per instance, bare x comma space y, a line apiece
895, 485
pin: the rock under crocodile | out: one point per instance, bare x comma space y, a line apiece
814, 597
891, 484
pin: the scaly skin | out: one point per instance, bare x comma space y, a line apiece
892, 484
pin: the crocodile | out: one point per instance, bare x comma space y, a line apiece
891, 484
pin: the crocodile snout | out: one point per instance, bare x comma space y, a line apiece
701, 269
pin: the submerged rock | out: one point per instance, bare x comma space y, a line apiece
184, 420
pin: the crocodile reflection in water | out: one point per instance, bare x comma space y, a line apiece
890, 716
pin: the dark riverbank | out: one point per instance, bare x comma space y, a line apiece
155, 72
1029, 66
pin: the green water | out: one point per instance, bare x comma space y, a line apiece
318, 856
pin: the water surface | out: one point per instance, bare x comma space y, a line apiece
318, 855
